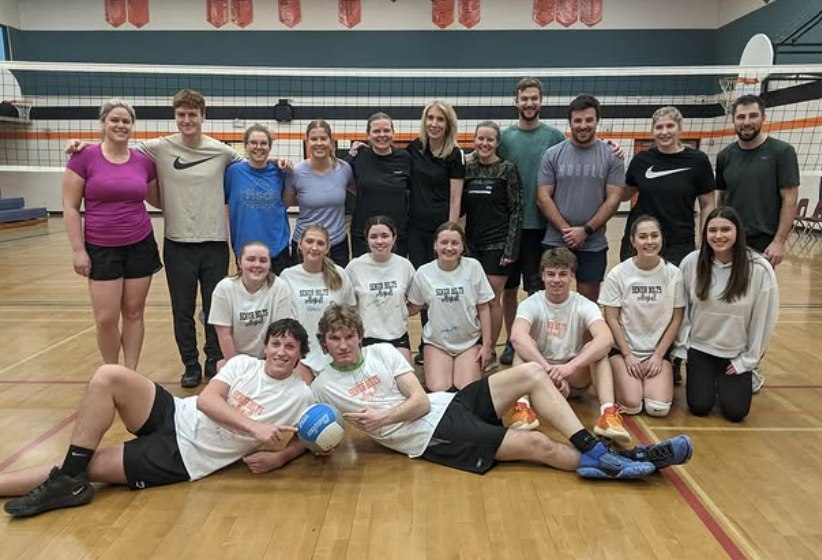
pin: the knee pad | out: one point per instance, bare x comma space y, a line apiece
630, 410
657, 408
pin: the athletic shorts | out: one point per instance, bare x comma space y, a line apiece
470, 433
527, 265
591, 265
614, 351
153, 458
136, 260
489, 259
401, 342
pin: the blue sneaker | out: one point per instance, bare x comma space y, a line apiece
600, 463
674, 451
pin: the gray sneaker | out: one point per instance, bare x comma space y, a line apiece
757, 379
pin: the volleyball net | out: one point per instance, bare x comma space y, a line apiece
42, 105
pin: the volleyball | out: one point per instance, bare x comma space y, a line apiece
320, 428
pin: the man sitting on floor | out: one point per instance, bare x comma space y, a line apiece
248, 408
377, 391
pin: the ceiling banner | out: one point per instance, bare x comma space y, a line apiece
590, 12
543, 12
567, 12
349, 12
115, 12
289, 12
138, 12
217, 12
242, 12
469, 13
442, 13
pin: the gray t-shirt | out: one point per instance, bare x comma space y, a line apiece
579, 176
321, 198
191, 186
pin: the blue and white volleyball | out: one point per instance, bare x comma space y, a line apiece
320, 428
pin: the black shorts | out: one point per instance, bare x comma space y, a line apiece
401, 342
137, 260
469, 433
591, 265
489, 259
527, 265
153, 458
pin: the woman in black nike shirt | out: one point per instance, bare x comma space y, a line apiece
669, 178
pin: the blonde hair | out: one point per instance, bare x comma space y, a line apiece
670, 112
450, 140
112, 104
331, 277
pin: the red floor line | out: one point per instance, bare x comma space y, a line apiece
710, 522
767, 386
37, 441
66, 382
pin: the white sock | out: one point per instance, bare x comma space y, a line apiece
603, 406
524, 400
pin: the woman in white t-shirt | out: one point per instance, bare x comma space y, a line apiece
456, 293
381, 280
644, 300
242, 306
315, 283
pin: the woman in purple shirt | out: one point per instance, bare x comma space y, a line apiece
114, 245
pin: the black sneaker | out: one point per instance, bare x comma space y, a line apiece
419, 359
210, 369
192, 376
677, 366
507, 357
58, 491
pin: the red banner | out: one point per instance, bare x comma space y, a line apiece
469, 13
217, 12
242, 12
543, 12
289, 12
115, 12
590, 12
138, 12
349, 12
442, 13
567, 12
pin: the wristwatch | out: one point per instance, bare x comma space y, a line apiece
588, 230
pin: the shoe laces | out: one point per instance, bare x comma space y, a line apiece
40, 488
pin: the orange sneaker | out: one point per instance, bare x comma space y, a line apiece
523, 418
610, 426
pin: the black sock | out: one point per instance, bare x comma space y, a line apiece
77, 460
583, 441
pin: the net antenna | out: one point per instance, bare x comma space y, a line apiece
755, 65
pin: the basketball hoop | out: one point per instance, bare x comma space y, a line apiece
733, 87
23, 108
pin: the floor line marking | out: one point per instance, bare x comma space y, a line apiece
703, 507
735, 429
48, 349
11, 459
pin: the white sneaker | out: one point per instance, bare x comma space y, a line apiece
757, 379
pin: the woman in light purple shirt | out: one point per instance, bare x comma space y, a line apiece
113, 244
318, 185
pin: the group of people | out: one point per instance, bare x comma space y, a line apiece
534, 207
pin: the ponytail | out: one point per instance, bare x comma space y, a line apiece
331, 277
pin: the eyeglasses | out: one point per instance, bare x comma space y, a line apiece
259, 144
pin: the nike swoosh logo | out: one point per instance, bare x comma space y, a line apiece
77, 491
651, 174
186, 164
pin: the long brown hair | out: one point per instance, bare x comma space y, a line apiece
331, 277
740, 278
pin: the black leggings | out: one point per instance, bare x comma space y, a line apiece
707, 380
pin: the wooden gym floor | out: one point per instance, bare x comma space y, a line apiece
751, 491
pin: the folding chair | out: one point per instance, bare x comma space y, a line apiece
814, 221
800, 218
